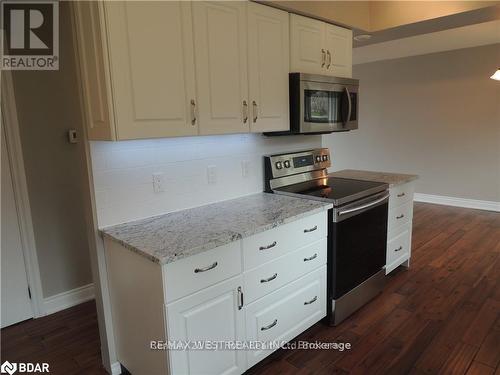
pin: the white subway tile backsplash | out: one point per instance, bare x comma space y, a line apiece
123, 172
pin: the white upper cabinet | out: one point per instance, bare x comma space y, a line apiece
152, 70
338, 44
268, 68
319, 48
220, 39
307, 40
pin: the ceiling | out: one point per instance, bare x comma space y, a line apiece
391, 20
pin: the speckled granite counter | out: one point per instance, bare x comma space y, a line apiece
389, 178
173, 236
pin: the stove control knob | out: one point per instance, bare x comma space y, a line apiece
324, 157
279, 165
286, 163
318, 158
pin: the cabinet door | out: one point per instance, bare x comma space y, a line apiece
209, 315
268, 68
93, 61
338, 43
152, 68
307, 45
220, 39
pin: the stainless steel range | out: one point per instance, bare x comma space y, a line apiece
357, 229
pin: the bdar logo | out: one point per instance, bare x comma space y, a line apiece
32, 35
8, 368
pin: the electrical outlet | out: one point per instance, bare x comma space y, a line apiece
212, 174
158, 182
245, 168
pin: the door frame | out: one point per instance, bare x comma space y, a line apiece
14, 151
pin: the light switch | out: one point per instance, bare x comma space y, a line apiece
212, 174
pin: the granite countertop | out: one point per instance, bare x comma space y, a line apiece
389, 178
173, 236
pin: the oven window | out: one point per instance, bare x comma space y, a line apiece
321, 106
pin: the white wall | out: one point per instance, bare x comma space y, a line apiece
435, 115
123, 172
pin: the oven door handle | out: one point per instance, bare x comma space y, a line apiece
362, 207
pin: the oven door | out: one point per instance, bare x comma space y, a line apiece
358, 243
327, 107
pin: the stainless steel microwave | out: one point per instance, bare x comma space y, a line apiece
322, 104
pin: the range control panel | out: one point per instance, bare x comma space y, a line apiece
281, 165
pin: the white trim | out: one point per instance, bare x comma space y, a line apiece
69, 298
116, 368
457, 202
14, 150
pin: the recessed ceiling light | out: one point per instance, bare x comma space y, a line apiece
496, 75
362, 37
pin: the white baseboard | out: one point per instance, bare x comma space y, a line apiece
116, 368
457, 202
67, 299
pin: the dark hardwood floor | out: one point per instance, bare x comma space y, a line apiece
440, 316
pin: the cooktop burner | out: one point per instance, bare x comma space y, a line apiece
337, 190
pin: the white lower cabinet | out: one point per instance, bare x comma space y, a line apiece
283, 314
225, 296
204, 318
399, 226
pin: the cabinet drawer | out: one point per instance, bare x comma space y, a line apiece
398, 246
401, 194
400, 215
273, 275
269, 245
285, 313
199, 271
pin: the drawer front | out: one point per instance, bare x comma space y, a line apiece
398, 246
273, 275
199, 271
401, 194
285, 313
400, 215
269, 245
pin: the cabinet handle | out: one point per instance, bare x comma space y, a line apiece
399, 248
401, 195
254, 104
400, 216
311, 229
268, 246
311, 301
323, 58
265, 328
311, 257
240, 298
245, 111
269, 278
329, 59
205, 269
193, 112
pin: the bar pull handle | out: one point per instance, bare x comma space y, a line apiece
245, 111
269, 278
323, 58
205, 269
193, 112
311, 301
265, 328
268, 246
240, 298
311, 229
399, 248
311, 257
254, 104
401, 195
329, 59
400, 216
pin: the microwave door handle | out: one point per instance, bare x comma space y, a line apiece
349, 105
